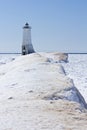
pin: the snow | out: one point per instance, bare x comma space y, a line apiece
55, 56
36, 94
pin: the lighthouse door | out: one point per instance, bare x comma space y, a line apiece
23, 50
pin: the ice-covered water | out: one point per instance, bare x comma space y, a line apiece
77, 70
5, 58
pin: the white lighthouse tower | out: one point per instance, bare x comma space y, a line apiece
27, 46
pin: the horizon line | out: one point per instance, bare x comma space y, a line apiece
48, 52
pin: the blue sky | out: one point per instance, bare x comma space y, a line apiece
57, 25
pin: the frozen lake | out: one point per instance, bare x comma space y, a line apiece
77, 70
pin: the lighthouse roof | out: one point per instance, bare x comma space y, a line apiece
26, 26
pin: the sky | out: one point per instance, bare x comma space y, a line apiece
57, 25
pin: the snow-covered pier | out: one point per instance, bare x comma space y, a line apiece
36, 94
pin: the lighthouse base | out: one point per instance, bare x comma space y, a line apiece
27, 49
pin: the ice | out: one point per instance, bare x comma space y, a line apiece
76, 69
5, 58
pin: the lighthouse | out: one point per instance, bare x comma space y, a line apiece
27, 46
